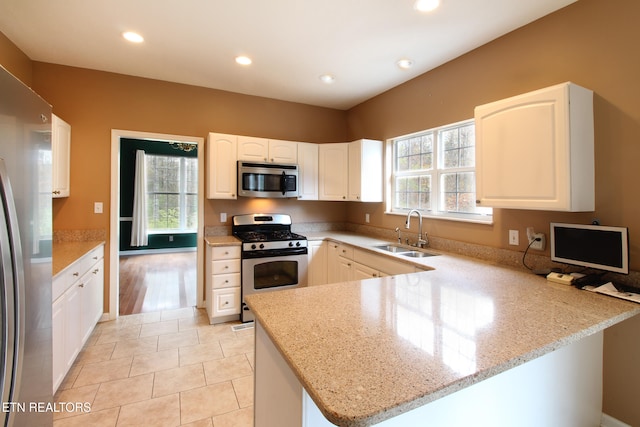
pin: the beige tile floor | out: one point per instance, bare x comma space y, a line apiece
169, 368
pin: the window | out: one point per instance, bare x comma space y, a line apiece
434, 171
172, 188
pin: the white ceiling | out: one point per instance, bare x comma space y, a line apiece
291, 42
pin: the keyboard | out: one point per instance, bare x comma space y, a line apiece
609, 289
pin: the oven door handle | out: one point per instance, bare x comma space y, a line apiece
274, 253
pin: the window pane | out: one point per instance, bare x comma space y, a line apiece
414, 153
192, 175
192, 212
458, 192
413, 192
458, 146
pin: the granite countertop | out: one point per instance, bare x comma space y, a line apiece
221, 241
66, 253
380, 347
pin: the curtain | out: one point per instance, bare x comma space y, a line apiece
139, 225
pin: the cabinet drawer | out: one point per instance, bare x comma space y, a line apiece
344, 250
96, 254
225, 266
226, 301
226, 280
225, 252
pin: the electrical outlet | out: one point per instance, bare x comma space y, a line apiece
514, 237
537, 241
97, 207
539, 244
366, 218
223, 217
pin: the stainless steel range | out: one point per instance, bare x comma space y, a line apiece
273, 257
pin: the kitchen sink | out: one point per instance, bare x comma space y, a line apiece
392, 248
417, 254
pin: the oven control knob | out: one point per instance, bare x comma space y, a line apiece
253, 246
261, 245
297, 243
290, 244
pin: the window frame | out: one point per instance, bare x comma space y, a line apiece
182, 197
436, 175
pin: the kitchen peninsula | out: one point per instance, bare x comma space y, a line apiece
468, 343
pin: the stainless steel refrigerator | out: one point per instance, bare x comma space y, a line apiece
25, 255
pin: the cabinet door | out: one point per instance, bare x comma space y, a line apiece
59, 361
362, 272
535, 151
61, 153
308, 171
253, 149
317, 271
72, 324
365, 171
226, 301
344, 269
333, 179
222, 171
283, 151
92, 284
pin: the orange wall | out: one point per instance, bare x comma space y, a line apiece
592, 43
95, 102
15, 61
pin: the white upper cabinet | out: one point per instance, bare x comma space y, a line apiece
283, 151
262, 150
333, 175
61, 152
536, 151
222, 175
253, 149
307, 171
365, 171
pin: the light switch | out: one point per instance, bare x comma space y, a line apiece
97, 207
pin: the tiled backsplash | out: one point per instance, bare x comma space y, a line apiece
79, 235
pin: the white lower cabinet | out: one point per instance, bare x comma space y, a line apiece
317, 263
222, 288
344, 263
362, 272
76, 308
226, 301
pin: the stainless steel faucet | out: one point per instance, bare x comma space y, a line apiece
421, 243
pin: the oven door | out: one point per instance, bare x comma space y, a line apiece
270, 274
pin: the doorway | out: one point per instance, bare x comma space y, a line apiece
160, 245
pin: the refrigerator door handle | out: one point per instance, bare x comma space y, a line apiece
12, 276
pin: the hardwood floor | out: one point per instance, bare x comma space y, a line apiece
157, 282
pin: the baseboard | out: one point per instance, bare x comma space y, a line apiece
609, 421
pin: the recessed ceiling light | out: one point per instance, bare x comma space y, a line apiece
327, 78
133, 37
243, 60
426, 5
405, 64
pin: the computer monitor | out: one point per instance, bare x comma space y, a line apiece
594, 246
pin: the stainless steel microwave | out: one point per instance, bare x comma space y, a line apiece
267, 180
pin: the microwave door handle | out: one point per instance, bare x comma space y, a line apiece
283, 186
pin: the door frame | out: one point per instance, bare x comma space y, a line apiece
114, 213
